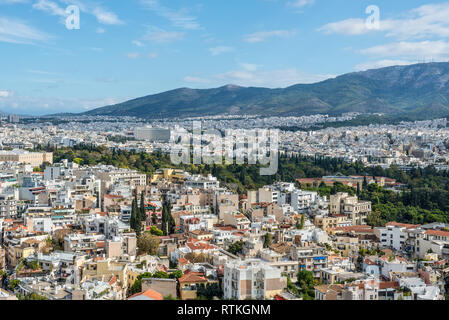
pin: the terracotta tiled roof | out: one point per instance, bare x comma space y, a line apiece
402, 225
362, 228
370, 262
197, 245
113, 280
112, 196
388, 284
192, 277
150, 294
437, 233
331, 287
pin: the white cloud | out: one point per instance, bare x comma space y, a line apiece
106, 17
180, 18
429, 20
413, 50
382, 64
160, 35
270, 78
13, 1
249, 66
103, 16
301, 3
17, 31
50, 7
137, 55
41, 105
249, 75
138, 43
220, 49
264, 35
191, 79
347, 27
133, 55
5, 93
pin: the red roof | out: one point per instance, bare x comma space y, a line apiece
151, 294
402, 225
192, 277
362, 228
388, 284
197, 245
370, 262
439, 233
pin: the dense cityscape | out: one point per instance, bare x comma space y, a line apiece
92, 209
223, 159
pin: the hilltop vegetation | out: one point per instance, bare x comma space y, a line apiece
413, 92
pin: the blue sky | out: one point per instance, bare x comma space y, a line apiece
127, 49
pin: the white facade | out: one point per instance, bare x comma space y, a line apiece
248, 279
393, 237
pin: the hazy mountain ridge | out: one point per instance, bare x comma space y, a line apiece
393, 90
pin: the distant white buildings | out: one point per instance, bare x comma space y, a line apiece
152, 134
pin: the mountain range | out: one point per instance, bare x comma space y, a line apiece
420, 90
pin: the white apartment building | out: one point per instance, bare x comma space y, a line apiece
394, 235
8, 207
251, 279
201, 182
302, 200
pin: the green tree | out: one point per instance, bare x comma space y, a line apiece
143, 215
236, 247
306, 282
155, 231
168, 222
374, 219
154, 218
268, 240
303, 218
148, 243
176, 274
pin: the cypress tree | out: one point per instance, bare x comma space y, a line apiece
164, 219
132, 221
143, 215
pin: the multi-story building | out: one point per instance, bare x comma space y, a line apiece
84, 243
394, 235
153, 134
8, 207
169, 175
32, 158
355, 210
2, 258
310, 257
251, 279
200, 182
329, 223
123, 176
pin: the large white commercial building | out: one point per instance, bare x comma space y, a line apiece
153, 134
